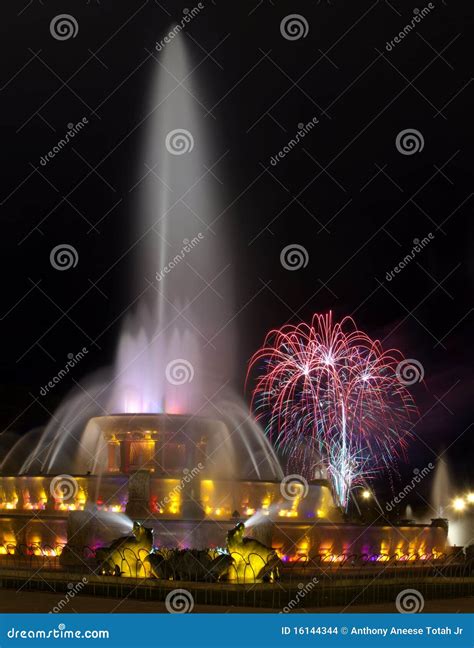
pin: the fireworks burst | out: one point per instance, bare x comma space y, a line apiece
330, 393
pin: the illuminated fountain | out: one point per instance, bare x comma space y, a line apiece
190, 480
446, 503
162, 437
442, 491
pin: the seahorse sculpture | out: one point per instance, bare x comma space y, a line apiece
253, 561
127, 556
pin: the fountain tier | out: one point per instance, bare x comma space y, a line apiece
190, 479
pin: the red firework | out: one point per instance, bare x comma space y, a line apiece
329, 391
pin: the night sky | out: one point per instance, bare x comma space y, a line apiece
345, 192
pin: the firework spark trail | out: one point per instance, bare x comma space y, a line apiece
329, 391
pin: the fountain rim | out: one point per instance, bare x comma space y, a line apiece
163, 416
314, 482
140, 422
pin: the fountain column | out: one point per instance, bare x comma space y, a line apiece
191, 497
138, 505
113, 454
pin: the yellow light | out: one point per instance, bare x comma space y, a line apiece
81, 499
249, 511
267, 500
459, 504
287, 513
470, 498
174, 506
366, 494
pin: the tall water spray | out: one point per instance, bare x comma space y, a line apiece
175, 352
441, 490
461, 523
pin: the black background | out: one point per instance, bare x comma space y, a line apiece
345, 192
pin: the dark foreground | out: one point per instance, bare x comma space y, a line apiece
12, 601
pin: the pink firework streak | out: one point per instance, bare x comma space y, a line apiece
329, 394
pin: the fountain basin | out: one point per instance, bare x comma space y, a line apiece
190, 479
